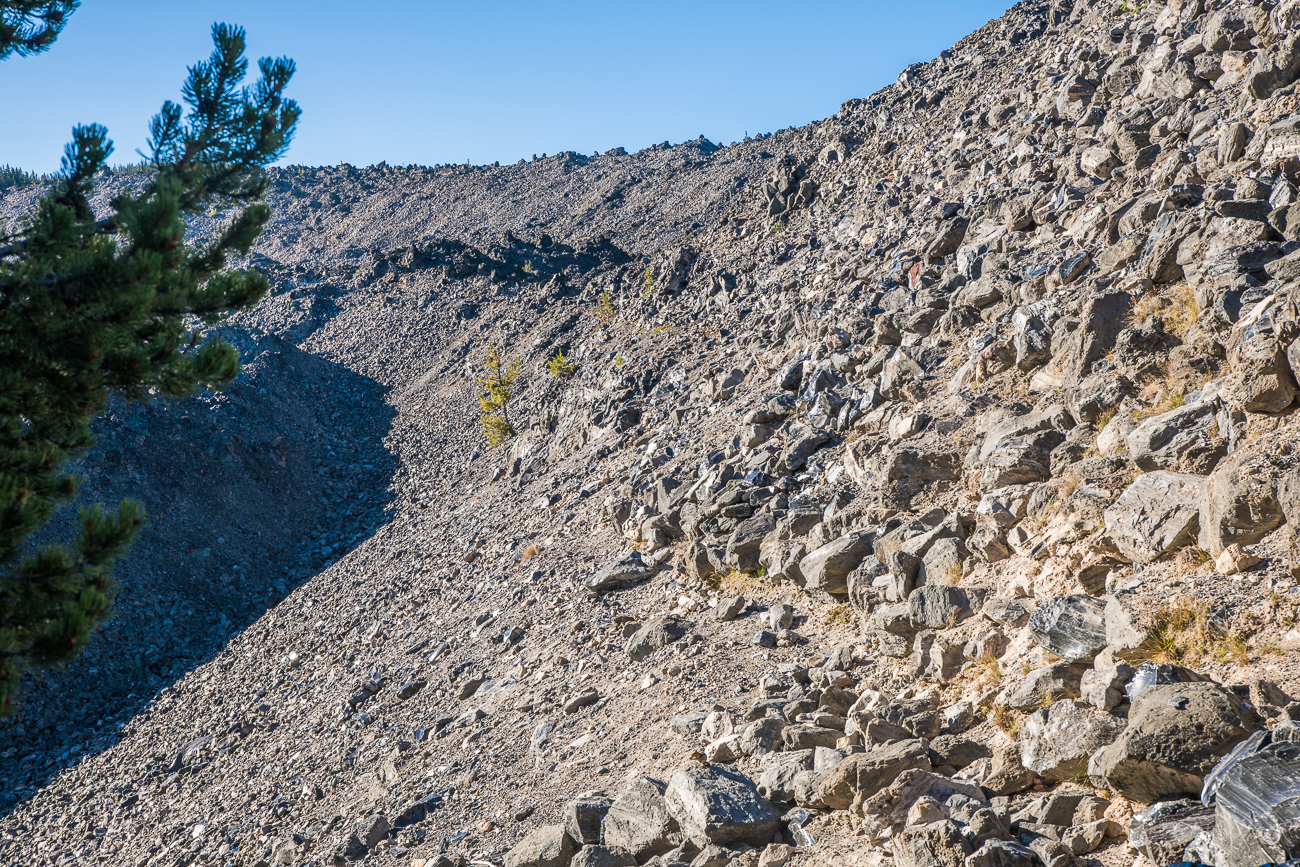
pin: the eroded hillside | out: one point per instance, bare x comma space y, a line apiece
925, 492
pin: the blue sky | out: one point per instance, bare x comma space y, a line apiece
439, 82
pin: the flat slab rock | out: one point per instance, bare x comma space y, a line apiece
718, 805
622, 573
1158, 513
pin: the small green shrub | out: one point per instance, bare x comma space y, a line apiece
560, 367
605, 308
497, 389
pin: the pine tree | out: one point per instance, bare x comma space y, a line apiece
31, 26
498, 387
122, 303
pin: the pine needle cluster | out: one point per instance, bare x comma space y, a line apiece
497, 388
560, 366
31, 26
118, 303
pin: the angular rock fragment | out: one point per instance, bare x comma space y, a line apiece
583, 817
660, 632
1044, 685
1057, 741
548, 846
936, 844
1187, 439
1237, 506
721, 806
603, 856
937, 606
827, 568
1073, 627
1257, 806
1162, 831
1158, 513
1176, 734
621, 574
862, 775
639, 820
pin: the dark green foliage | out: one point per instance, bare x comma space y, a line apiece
120, 304
11, 176
31, 26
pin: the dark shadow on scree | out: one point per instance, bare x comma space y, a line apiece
249, 493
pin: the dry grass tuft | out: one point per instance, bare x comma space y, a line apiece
1183, 635
840, 615
1183, 310
733, 582
1004, 718
1176, 307
1163, 391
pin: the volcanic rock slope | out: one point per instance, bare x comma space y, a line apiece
924, 490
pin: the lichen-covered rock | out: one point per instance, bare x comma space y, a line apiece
1175, 735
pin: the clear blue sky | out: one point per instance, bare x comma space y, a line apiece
484, 80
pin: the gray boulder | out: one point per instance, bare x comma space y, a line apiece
718, 805
1056, 741
582, 818
660, 632
1176, 733
1261, 378
1047, 684
1104, 688
1187, 439
1237, 506
603, 856
1021, 459
885, 814
776, 780
937, 606
956, 752
745, 543
807, 737
762, 736
1002, 853
935, 844
1104, 316
548, 846
1157, 514
863, 774
639, 820
1073, 627
728, 610
827, 568
621, 574
1163, 831
1257, 806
